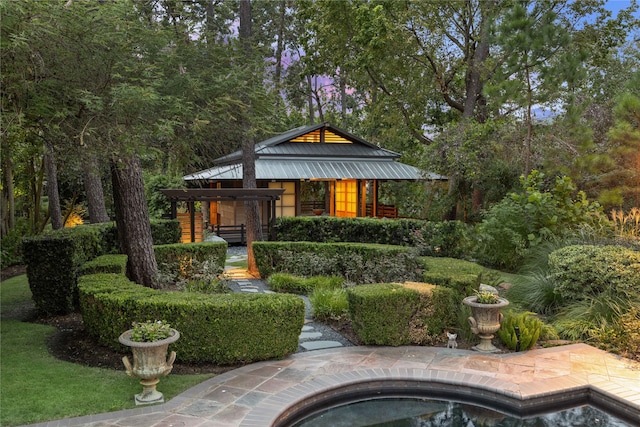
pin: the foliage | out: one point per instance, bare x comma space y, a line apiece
585, 270
430, 237
328, 303
53, 263
535, 290
529, 325
583, 319
356, 262
183, 262
486, 297
150, 331
11, 245
158, 203
380, 313
626, 224
285, 282
65, 393
534, 216
105, 264
459, 275
393, 314
214, 328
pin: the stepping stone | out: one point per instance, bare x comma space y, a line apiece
319, 345
307, 328
251, 291
310, 335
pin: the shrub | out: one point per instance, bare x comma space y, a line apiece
431, 238
463, 276
218, 329
285, 282
105, 264
380, 313
530, 329
53, 263
581, 270
531, 217
183, 262
358, 263
328, 303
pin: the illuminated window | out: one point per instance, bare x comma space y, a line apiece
286, 206
346, 198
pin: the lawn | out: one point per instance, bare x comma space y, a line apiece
36, 387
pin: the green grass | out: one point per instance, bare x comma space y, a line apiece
36, 387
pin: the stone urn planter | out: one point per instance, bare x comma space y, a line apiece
149, 363
485, 320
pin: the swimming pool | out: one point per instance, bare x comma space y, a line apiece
439, 413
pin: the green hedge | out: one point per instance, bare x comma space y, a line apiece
393, 314
221, 329
112, 263
582, 270
163, 232
285, 282
463, 276
189, 259
53, 263
356, 262
447, 239
380, 313
54, 259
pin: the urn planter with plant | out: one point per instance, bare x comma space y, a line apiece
149, 342
486, 317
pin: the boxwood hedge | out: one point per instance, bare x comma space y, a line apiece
222, 329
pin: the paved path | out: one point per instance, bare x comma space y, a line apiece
314, 336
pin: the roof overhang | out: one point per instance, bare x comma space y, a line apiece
222, 194
289, 169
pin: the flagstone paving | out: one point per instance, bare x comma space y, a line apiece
256, 395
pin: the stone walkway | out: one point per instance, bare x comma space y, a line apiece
263, 393
314, 336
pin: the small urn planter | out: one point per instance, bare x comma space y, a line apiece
149, 362
485, 320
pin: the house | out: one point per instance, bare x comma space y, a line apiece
319, 169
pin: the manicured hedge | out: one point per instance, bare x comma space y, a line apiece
380, 313
188, 258
582, 270
53, 264
393, 314
222, 329
54, 259
447, 238
112, 263
463, 276
356, 262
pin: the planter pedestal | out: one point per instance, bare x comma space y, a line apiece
149, 362
485, 321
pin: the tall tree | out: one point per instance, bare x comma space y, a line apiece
251, 208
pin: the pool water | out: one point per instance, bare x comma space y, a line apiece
402, 412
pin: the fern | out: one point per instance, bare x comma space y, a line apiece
530, 329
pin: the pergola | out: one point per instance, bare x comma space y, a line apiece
192, 195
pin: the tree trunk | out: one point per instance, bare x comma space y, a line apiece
251, 208
132, 220
93, 190
52, 187
7, 201
280, 44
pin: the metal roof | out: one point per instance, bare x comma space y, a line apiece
289, 169
222, 194
351, 157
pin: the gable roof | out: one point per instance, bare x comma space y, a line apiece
319, 151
